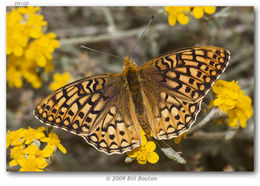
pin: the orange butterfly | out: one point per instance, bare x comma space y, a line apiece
163, 97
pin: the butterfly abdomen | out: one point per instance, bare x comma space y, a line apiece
132, 76
135, 89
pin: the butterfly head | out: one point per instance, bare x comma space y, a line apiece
127, 61
129, 65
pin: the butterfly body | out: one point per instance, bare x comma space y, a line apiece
163, 97
132, 75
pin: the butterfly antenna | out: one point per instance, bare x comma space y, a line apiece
143, 34
82, 46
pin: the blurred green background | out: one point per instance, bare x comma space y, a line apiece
116, 30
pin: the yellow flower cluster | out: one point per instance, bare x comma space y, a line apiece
198, 11
181, 13
145, 152
59, 80
27, 46
230, 99
25, 148
177, 13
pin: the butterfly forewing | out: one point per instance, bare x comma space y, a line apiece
79, 106
187, 73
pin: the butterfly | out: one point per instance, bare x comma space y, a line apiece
163, 97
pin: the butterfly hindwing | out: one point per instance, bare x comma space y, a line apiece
170, 116
187, 73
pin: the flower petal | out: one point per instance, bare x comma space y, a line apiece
13, 163
153, 158
150, 146
62, 149
18, 51
209, 9
41, 163
183, 19
198, 12
171, 20
144, 140
47, 151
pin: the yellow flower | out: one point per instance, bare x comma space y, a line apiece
32, 78
22, 68
27, 154
177, 13
49, 66
15, 40
227, 94
145, 152
41, 49
33, 22
32, 164
232, 100
34, 150
241, 113
198, 11
14, 138
31, 134
27, 47
24, 136
52, 142
14, 77
177, 140
60, 80
30, 159
21, 24
17, 153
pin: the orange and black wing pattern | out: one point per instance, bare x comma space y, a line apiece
175, 83
187, 73
78, 107
119, 131
98, 108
